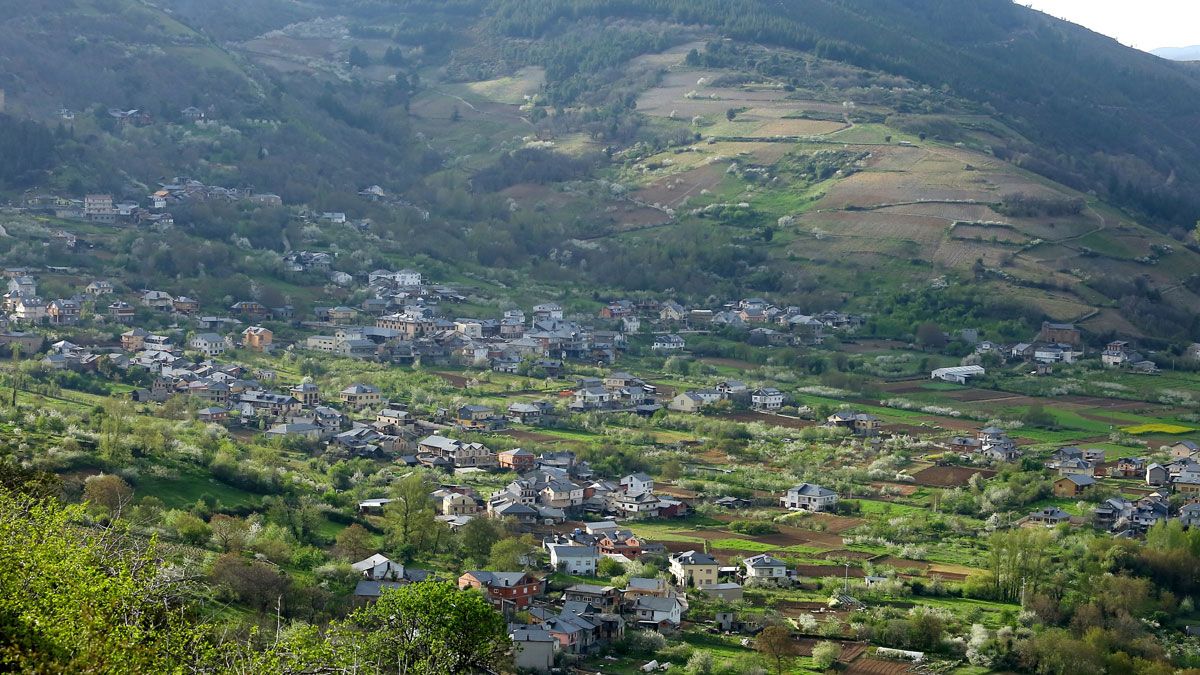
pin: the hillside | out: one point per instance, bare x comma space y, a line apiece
1044, 168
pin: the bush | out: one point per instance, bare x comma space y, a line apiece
753, 527
825, 654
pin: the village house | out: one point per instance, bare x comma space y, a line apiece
507, 591
1076, 467
1189, 515
258, 338
307, 393
134, 340
1072, 485
453, 503
668, 343
573, 560
600, 598
639, 587
360, 396
158, 301
694, 400
209, 344
1065, 333
478, 418
304, 430
809, 497
99, 287
530, 414
1157, 474
64, 312
534, 648
618, 542
672, 311
766, 398
764, 566
655, 612
185, 305
517, 459
213, 414
30, 310
995, 444
862, 424
1128, 467
1049, 516
1184, 449
98, 208
455, 454
250, 309
635, 505
694, 569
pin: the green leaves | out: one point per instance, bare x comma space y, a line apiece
430, 628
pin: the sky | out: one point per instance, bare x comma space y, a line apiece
1144, 24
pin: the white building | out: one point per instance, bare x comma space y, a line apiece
765, 567
957, 374
576, 560
767, 398
209, 344
635, 483
668, 343
809, 497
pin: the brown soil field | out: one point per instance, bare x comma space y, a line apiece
455, 380
837, 524
760, 152
798, 127
976, 395
895, 158
904, 489
673, 491
950, 212
953, 423
949, 476
671, 190
905, 429
864, 346
535, 437
865, 665
963, 254
982, 233
732, 363
818, 571
850, 650
868, 224
771, 420
631, 216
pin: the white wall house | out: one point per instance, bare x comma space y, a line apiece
577, 560
809, 497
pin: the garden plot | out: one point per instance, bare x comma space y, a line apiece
963, 254
1002, 235
895, 158
949, 476
922, 229
969, 213
670, 191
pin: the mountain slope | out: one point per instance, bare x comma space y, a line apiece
826, 152
1097, 113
